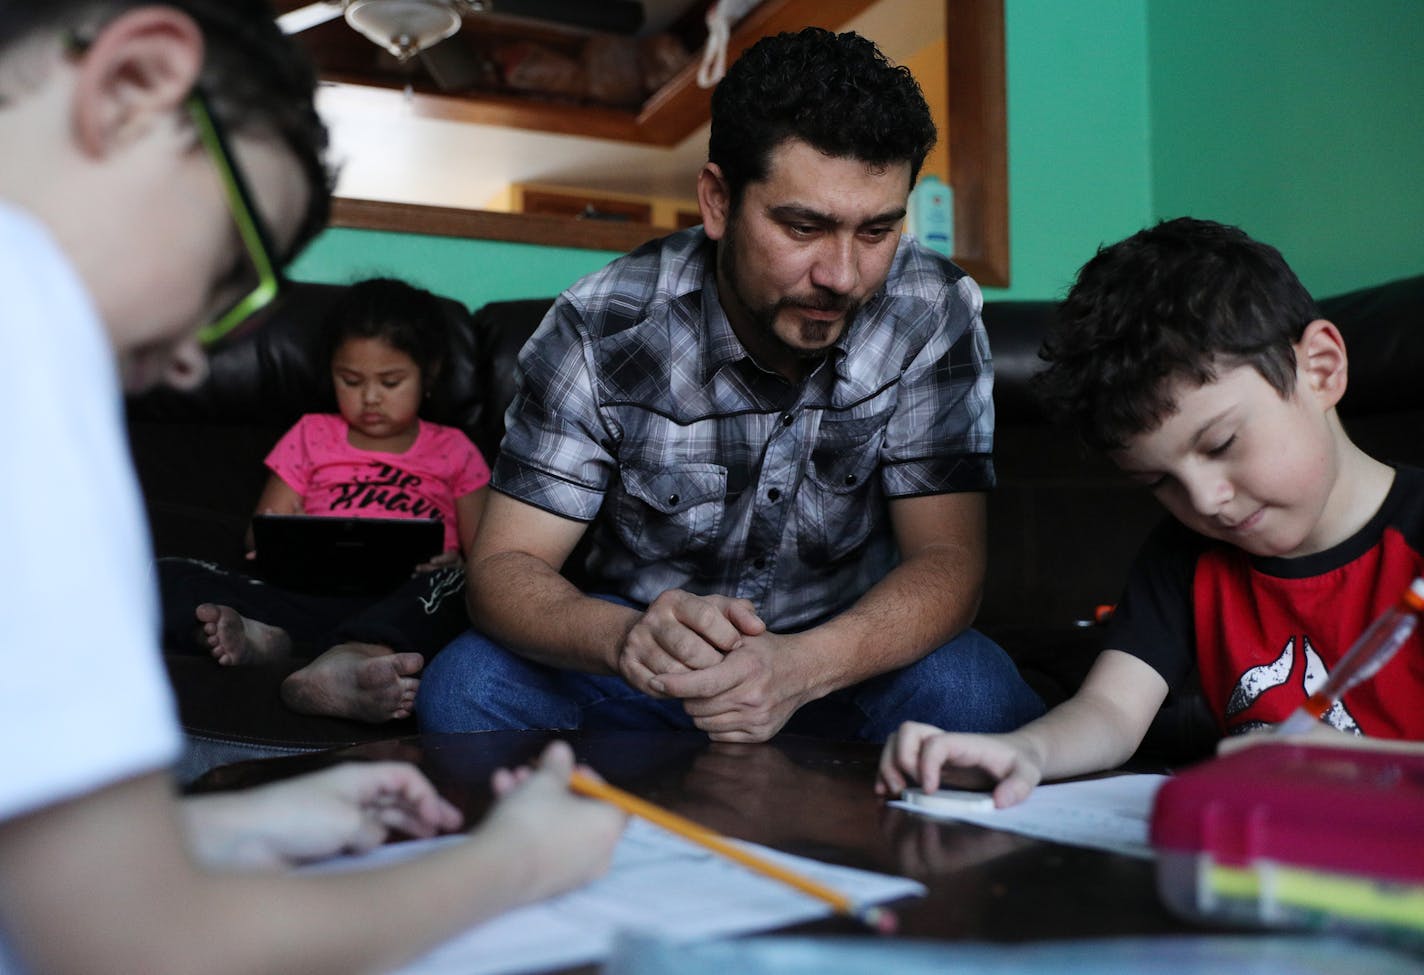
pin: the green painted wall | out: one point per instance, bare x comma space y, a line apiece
471, 271
1079, 172
1300, 120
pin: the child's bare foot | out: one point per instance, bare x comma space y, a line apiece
235, 640
365, 681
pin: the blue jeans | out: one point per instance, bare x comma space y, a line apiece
474, 684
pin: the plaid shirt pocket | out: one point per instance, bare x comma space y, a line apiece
671, 511
840, 496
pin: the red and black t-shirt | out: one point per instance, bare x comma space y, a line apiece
1263, 633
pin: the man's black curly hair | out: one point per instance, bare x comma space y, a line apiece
836, 92
1177, 301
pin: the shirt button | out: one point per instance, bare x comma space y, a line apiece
759, 562
850, 478
787, 419
773, 494
673, 499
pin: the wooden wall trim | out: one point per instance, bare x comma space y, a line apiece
523, 228
978, 138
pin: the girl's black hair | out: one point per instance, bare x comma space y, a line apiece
408, 318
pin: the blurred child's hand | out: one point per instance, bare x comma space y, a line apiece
442, 561
920, 753
565, 840
348, 808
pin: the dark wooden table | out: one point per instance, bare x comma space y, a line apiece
812, 798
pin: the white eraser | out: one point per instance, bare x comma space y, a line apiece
950, 800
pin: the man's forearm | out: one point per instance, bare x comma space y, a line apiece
520, 601
919, 605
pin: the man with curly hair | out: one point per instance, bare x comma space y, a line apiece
771, 435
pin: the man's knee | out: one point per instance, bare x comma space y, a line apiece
475, 684
968, 684
454, 685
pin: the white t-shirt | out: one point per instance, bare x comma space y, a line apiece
84, 700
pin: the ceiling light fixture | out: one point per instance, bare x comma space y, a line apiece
403, 27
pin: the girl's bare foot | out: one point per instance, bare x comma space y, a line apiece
365, 681
235, 641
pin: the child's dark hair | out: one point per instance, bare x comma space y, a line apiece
836, 92
255, 79
1174, 302
405, 317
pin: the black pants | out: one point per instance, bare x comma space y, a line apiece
423, 614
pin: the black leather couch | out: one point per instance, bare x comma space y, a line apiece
1063, 527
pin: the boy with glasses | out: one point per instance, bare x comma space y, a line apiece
161, 162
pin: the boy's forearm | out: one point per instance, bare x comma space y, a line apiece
218, 922
217, 834
376, 921
1100, 726
1075, 738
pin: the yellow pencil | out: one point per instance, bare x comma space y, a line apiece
876, 918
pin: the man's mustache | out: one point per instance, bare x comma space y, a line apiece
839, 303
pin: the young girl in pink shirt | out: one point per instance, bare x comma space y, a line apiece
375, 457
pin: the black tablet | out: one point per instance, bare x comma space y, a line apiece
343, 556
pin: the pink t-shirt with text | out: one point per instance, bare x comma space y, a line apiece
335, 478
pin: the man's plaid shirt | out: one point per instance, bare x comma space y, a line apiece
639, 411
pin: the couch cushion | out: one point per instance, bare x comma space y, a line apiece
243, 706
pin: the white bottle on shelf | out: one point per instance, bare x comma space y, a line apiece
931, 216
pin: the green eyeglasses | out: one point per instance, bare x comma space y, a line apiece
262, 281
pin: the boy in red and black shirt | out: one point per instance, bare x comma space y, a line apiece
1193, 356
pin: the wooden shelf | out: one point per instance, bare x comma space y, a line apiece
520, 228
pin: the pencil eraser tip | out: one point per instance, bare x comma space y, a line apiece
882, 921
